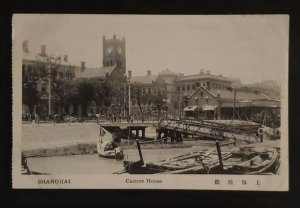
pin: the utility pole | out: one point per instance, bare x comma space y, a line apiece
49, 96
124, 98
180, 99
129, 92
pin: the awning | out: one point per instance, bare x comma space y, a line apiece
208, 107
190, 108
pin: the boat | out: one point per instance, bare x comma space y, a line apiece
106, 147
25, 170
233, 159
191, 163
241, 160
252, 160
109, 149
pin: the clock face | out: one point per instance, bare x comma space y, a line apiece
108, 49
120, 50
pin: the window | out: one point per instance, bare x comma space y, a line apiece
149, 90
197, 84
193, 87
188, 87
178, 88
208, 84
183, 88
201, 94
144, 90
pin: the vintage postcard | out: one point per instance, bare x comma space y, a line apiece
194, 102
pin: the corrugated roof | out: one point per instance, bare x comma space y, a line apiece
94, 72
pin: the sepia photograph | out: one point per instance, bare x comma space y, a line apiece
150, 101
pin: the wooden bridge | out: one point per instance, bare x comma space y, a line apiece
216, 130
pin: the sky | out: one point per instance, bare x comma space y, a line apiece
250, 47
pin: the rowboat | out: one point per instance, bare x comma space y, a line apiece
239, 160
252, 160
196, 162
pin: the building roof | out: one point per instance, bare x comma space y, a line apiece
167, 72
204, 76
240, 95
38, 57
229, 94
29, 56
94, 72
147, 79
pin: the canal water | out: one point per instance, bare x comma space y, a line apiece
93, 164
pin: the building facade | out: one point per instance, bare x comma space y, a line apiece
40, 71
165, 93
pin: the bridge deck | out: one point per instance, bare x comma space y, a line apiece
211, 129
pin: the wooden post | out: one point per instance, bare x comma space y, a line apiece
143, 133
234, 98
140, 151
219, 154
137, 133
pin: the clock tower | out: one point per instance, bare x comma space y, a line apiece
114, 54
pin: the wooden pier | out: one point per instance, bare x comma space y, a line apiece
125, 130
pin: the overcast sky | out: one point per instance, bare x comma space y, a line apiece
252, 48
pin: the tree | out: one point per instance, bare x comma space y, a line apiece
158, 102
50, 67
85, 95
30, 95
137, 95
103, 94
29, 88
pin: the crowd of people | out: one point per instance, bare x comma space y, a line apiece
129, 118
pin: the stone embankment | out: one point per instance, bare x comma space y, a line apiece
64, 139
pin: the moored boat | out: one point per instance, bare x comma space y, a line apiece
252, 160
241, 160
106, 147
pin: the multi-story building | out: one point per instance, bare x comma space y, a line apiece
178, 86
38, 70
165, 92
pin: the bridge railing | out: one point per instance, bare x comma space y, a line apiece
209, 127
